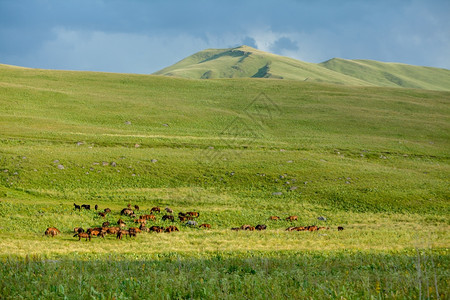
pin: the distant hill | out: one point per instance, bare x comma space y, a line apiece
392, 74
247, 62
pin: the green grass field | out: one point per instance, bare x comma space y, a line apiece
373, 160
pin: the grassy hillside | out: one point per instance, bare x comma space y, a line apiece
392, 74
374, 160
247, 62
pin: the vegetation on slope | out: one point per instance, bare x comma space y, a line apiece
374, 160
392, 74
246, 62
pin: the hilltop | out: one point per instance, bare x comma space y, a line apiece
247, 62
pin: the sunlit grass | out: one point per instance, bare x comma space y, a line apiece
373, 160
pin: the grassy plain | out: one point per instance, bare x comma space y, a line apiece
374, 160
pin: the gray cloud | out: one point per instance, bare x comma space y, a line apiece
142, 37
284, 43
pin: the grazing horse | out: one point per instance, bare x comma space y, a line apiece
121, 233
86, 206
245, 227
102, 214
274, 218
148, 217
261, 227
313, 228
83, 235
300, 228
52, 231
155, 209
141, 221
205, 226
78, 230
107, 210
340, 228
105, 224
169, 210
143, 228
171, 228
112, 230
77, 206
97, 232
168, 217
133, 231
191, 223
127, 212
136, 207
157, 229
292, 218
193, 214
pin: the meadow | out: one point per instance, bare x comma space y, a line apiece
373, 160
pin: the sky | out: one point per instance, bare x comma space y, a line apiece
138, 36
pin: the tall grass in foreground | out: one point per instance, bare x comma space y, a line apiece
314, 275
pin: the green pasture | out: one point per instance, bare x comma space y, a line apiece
373, 160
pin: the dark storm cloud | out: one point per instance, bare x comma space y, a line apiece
144, 36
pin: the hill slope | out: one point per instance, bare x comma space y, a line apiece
247, 62
392, 74
395, 141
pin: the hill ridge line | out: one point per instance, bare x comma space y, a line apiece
248, 62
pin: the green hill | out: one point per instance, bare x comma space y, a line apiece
247, 62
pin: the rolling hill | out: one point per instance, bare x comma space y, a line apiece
374, 160
247, 62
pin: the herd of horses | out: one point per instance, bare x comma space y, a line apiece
140, 222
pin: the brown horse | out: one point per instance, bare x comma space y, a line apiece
193, 214
292, 218
168, 217
52, 231
155, 209
78, 230
121, 233
140, 221
112, 230
83, 235
157, 229
261, 227
171, 229
148, 217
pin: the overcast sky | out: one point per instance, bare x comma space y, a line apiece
132, 36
